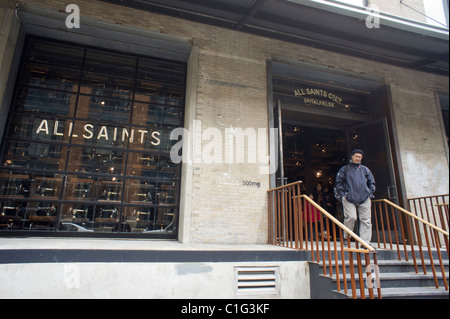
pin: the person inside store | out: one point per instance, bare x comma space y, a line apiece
330, 201
354, 188
319, 196
313, 220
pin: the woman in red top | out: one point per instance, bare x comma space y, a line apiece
313, 216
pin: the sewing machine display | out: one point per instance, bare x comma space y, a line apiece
94, 160
29, 216
34, 156
42, 186
91, 217
91, 188
158, 220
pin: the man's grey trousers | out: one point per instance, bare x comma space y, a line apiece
352, 211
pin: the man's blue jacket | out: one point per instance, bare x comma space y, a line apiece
355, 182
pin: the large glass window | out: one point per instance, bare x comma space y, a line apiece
87, 145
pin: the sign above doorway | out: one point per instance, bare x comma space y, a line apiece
318, 97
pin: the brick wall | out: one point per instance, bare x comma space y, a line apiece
231, 91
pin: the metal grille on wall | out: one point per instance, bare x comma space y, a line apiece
87, 143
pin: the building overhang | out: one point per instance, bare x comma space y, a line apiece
44, 22
322, 24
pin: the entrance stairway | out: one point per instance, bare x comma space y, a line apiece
409, 257
398, 279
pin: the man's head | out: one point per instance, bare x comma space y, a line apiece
357, 156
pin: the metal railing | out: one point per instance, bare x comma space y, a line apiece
296, 221
433, 209
410, 235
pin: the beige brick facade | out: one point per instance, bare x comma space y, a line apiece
231, 91
398, 9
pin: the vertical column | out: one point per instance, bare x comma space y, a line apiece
184, 234
9, 32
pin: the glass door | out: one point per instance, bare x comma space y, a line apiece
280, 180
373, 139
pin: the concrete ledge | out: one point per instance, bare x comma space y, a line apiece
28, 256
41, 268
56, 250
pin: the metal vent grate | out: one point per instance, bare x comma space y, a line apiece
257, 280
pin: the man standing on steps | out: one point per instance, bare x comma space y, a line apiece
354, 187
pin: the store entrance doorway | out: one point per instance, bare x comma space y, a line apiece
314, 154
321, 117
313, 147
321, 121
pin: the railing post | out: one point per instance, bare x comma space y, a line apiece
352, 274
396, 232
440, 261
375, 261
419, 240
344, 275
269, 217
279, 224
382, 227
388, 229
329, 247
294, 217
430, 255
360, 274
369, 276
300, 215
375, 214
336, 259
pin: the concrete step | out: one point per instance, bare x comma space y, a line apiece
396, 266
382, 253
387, 254
403, 293
398, 279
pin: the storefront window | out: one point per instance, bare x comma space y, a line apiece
87, 145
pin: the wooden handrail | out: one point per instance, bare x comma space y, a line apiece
296, 221
285, 186
356, 250
412, 215
411, 235
339, 224
423, 197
